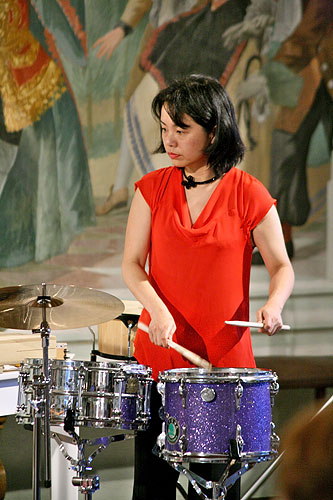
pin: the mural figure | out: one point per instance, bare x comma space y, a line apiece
308, 53
140, 134
45, 189
168, 54
298, 76
160, 11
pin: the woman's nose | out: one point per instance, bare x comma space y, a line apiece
169, 139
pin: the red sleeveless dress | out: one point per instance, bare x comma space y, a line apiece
202, 271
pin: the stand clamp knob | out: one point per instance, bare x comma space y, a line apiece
87, 484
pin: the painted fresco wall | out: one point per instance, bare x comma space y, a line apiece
75, 107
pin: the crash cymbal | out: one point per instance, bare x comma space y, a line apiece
64, 306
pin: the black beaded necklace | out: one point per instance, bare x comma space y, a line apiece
189, 181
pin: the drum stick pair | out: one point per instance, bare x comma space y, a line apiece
195, 358
191, 356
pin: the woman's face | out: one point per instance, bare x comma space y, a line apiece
185, 146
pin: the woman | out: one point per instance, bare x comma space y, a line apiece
198, 221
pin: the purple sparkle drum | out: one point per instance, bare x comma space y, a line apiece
204, 412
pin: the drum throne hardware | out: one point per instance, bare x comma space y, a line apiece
40, 308
218, 416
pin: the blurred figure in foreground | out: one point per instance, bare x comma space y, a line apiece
306, 472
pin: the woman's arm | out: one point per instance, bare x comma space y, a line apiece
137, 242
269, 239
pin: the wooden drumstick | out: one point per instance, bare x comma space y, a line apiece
191, 356
253, 324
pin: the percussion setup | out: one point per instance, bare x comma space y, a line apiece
209, 415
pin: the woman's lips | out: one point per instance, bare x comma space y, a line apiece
173, 156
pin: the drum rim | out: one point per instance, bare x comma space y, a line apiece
32, 361
217, 374
74, 363
200, 457
103, 365
86, 364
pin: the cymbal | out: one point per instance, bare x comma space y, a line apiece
65, 306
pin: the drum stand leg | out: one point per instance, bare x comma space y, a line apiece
36, 456
46, 426
86, 484
40, 405
219, 488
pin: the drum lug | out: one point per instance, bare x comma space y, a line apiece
82, 377
238, 394
275, 440
142, 419
142, 414
183, 440
161, 391
116, 411
22, 382
161, 438
182, 392
274, 389
239, 439
143, 404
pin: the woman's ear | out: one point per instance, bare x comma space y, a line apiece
212, 135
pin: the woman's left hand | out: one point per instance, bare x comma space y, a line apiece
270, 316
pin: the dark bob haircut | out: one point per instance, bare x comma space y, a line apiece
205, 100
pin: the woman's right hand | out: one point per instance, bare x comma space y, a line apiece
161, 328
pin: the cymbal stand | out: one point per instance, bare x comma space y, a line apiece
93, 351
41, 403
87, 484
129, 320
